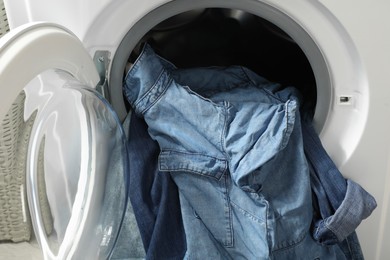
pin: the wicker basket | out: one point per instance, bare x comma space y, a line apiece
15, 224
15, 221
4, 28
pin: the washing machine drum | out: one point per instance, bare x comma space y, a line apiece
70, 142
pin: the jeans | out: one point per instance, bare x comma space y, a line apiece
154, 197
236, 156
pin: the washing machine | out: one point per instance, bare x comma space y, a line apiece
68, 58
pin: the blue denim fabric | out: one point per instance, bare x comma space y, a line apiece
129, 243
342, 204
352, 202
237, 158
154, 197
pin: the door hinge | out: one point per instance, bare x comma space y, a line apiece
101, 60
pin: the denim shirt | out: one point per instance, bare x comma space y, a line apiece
236, 156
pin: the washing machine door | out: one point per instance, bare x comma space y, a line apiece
69, 142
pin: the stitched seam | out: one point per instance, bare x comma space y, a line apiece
230, 242
224, 130
159, 87
247, 213
299, 240
190, 153
179, 167
195, 172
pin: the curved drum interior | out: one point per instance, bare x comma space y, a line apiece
223, 37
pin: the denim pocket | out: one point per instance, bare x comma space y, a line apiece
207, 195
176, 161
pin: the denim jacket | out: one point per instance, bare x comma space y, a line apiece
237, 157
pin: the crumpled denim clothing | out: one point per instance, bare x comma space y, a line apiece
221, 138
154, 197
352, 202
238, 161
341, 204
356, 206
152, 227
129, 243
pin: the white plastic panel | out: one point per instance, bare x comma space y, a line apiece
76, 151
31, 49
368, 25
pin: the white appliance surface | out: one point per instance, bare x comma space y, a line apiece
351, 35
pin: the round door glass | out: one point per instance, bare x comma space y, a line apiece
76, 168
